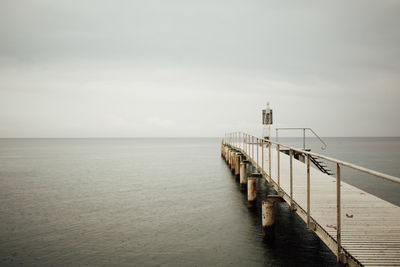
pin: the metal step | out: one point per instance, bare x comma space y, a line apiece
319, 164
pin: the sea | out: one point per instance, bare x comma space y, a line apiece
158, 202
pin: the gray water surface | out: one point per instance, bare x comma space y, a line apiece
137, 202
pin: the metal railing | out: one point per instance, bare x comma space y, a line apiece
246, 142
304, 135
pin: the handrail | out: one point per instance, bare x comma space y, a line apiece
236, 138
304, 135
347, 164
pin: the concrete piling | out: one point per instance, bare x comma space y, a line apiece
238, 157
243, 174
268, 216
232, 161
252, 189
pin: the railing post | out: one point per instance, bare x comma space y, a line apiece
308, 190
304, 138
244, 143
245, 140
291, 178
279, 167
252, 147
258, 141
269, 161
241, 140
247, 146
338, 212
262, 156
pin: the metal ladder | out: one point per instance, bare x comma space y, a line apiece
320, 165
316, 161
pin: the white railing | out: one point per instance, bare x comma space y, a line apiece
304, 135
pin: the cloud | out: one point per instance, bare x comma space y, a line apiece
129, 68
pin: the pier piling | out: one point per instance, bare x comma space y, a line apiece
238, 157
252, 189
268, 216
230, 158
233, 156
243, 174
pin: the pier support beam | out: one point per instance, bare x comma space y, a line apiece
238, 157
232, 161
268, 216
243, 174
252, 189
227, 155
230, 158
250, 167
224, 151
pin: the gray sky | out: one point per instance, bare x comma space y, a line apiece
198, 68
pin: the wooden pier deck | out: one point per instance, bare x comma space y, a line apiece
368, 227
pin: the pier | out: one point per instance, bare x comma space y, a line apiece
358, 227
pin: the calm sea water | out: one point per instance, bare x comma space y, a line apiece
152, 202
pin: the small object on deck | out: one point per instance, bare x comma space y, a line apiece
331, 226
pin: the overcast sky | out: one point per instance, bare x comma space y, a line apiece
198, 68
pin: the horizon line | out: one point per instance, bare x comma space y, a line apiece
177, 137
